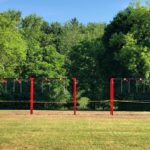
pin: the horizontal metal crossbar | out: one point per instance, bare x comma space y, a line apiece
126, 79
35, 102
27, 79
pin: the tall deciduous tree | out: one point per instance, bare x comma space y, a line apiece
12, 45
126, 41
42, 57
83, 61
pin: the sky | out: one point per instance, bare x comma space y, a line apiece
64, 10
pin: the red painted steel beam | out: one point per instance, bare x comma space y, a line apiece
74, 94
31, 94
111, 96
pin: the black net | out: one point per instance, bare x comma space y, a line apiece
14, 93
90, 95
53, 94
132, 94
49, 94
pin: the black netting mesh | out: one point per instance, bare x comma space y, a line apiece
132, 94
14, 93
49, 93
53, 93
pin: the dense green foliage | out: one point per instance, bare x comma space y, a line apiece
126, 41
12, 45
92, 53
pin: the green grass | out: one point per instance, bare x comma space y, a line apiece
68, 132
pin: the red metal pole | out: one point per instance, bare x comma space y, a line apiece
111, 96
31, 94
74, 94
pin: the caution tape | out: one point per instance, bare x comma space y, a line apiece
51, 102
100, 101
128, 101
45, 102
120, 101
4, 101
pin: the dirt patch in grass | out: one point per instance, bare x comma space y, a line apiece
95, 114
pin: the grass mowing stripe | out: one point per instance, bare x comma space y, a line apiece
69, 132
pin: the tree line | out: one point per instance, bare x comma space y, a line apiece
93, 53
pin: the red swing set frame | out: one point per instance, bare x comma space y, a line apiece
32, 94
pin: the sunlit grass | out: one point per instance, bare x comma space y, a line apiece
68, 132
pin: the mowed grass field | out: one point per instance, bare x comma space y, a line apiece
52, 130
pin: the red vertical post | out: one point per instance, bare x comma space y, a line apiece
74, 94
31, 94
111, 96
